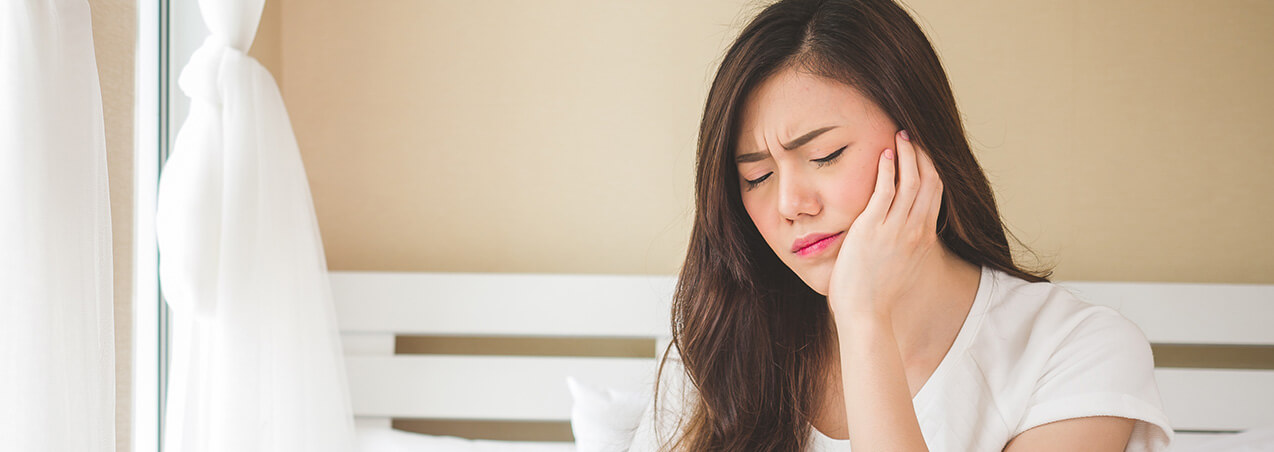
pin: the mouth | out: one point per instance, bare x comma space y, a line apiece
813, 243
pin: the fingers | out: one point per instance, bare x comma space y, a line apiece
883, 194
908, 181
929, 199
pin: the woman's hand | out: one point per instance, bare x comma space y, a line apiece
881, 255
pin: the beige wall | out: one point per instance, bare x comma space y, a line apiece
267, 47
114, 38
1125, 140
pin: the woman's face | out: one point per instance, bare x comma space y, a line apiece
808, 150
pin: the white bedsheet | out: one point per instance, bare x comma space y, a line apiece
384, 439
376, 438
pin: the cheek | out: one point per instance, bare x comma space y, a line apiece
846, 194
766, 218
763, 218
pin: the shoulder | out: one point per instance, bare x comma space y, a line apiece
1030, 319
1054, 356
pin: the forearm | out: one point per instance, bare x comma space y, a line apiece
880, 413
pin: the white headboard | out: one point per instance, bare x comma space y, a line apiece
372, 307
1231, 387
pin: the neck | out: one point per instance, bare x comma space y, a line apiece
937, 301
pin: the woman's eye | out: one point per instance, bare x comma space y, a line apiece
752, 183
829, 158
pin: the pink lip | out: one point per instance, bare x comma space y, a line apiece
813, 243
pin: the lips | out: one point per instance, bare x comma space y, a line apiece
811, 239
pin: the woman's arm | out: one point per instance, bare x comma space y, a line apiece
878, 403
1095, 433
879, 259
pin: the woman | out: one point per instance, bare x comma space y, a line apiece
849, 280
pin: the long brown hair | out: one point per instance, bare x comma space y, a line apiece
755, 340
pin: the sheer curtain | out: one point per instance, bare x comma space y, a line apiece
57, 359
256, 358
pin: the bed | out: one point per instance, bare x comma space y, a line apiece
478, 362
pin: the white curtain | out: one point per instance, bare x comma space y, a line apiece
256, 358
57, 358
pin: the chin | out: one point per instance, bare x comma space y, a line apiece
822, 290
818, 279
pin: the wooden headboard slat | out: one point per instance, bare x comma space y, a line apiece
470, 304
1211, 399
482, 387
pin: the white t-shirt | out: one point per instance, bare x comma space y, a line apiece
1027, 354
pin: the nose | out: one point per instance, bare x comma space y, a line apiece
797, 196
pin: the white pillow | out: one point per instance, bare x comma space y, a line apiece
604, 419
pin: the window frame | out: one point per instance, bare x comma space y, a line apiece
169, 31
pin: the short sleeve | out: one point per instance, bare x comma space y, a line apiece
657, 429
1102, 367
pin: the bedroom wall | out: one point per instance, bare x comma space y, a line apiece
1124, 140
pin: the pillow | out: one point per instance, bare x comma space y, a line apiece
604, 419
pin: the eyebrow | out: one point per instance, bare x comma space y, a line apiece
800, 141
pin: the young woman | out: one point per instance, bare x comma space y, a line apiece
849, 281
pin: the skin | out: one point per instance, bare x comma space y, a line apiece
898, 296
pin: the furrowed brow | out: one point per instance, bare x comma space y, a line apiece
805, 138
800, 141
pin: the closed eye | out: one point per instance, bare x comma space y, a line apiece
752, 183
825, 160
